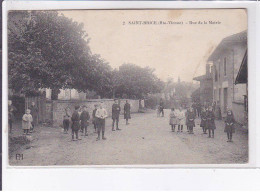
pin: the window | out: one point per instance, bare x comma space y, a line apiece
225, 66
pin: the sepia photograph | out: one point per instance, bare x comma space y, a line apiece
127, 87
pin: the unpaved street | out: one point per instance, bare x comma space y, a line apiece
147, 140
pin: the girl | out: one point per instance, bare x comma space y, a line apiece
181, 117
27, 122
190, 120
203, 117
173, 119
210, 124
229, 127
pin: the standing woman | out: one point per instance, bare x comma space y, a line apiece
181, 117
127, 108
203, 117
210, 124
190, 120
229, 125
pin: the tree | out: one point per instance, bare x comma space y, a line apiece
133, 80
48, 50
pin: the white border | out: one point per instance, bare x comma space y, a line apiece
53, 175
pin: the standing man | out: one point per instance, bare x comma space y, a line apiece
94, 118
162, 107
34, 113
127, 109
101, 115
11, 110
84, 120
198, 109
115, 114
75, 119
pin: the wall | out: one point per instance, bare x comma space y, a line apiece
239, 113
55, 109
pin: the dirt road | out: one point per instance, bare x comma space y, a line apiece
147, 140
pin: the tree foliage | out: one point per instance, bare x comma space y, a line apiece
135, 81
48, 50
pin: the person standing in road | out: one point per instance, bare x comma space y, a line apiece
210, 124
115, 114
198, 107
173, 119
101, 115
66, 120
190, 120
34, 113
75, 126
203, 117
127, 110
27, 122
229, 125
84, 121
162, 107
94, 118
181, 117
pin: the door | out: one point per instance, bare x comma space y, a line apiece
225, 99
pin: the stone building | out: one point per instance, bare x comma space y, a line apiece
206, 86
226, 60
67, 94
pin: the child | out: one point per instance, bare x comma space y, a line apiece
190, 120
173, 119
181, 117
203, 117
84, 120
210, 124
66, 120
229, 127
27, 122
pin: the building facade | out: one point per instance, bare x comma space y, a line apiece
226, 60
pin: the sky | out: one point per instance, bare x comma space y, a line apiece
172, 49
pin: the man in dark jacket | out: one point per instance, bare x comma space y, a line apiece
127, 108
84, 120
75, 119
94, 118
34, 113
115, 114
11, 110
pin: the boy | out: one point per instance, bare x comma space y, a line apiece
115, 114
101, 115
66, 120
75, 119
84, 120
27, 122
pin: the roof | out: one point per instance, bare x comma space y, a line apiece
226, 42
200, 78
242, 73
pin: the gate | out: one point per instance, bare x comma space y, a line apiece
40, 103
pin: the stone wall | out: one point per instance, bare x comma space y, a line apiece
239, 112
55, 109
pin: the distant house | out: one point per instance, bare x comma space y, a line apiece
226, 60
206, 86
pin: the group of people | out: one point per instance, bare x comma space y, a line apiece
179, 117
80, 119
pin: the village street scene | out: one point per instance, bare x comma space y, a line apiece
118, 87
